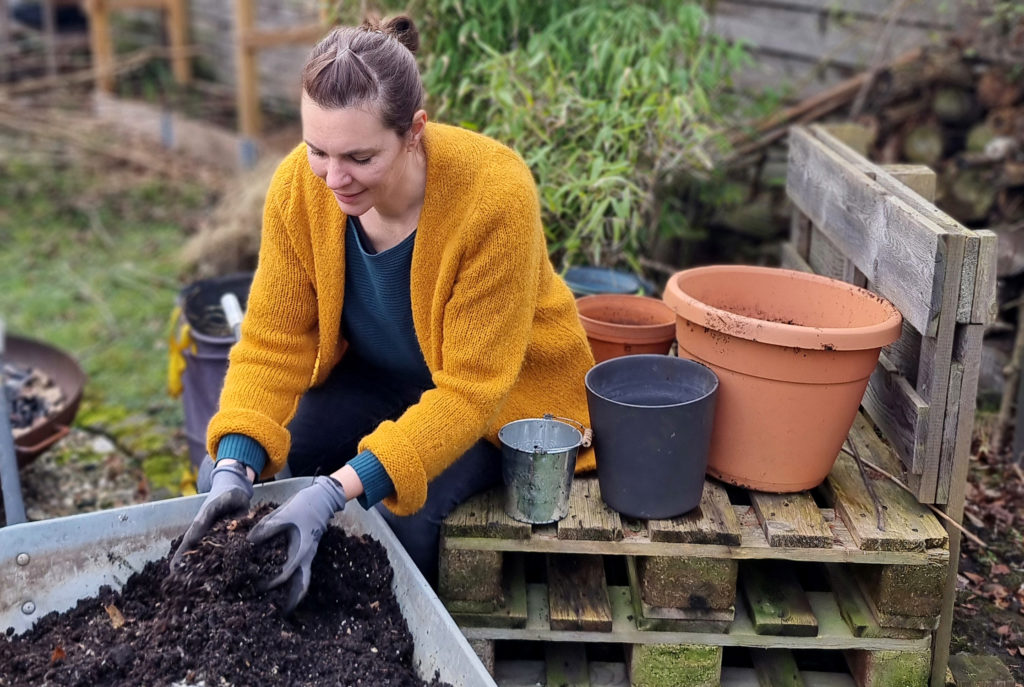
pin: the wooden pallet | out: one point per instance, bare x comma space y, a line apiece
767, 526
572, 665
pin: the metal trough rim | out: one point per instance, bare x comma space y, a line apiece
48, 565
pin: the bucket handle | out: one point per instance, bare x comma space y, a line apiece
588, 434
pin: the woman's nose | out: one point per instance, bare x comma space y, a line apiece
337, 176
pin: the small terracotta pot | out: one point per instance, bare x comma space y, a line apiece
793, 353
618, 324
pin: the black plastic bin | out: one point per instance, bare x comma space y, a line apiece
206, 363
652, 418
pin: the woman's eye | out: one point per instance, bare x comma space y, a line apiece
317, 153
361, 160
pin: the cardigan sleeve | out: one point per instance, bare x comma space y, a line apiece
272, 364
487, 325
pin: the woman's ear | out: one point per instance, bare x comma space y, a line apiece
419, 125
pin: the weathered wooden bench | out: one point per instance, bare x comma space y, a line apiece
801, 588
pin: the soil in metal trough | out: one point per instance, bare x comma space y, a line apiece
210, 624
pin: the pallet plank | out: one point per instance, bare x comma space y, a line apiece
855, 506
896, 249
566, 665
898, 503
899, 411
776, 668
589, 517
791, 260
833, 632
484, 515
781, 30
712, 522
984, 311
753, 545
827, 260
777, 603
578, 593
791, 520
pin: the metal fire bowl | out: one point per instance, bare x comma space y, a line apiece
66, 373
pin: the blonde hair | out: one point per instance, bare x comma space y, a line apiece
373, 63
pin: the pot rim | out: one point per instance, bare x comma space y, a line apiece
507, 425
621, 359
627, 333
779, 333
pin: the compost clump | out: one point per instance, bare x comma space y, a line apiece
211, 623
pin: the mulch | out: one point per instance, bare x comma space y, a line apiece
210, 624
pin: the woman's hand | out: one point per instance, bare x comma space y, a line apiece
303, 518
230, 493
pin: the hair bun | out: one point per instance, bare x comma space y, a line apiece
404, 29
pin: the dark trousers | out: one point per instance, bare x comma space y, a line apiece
332, 418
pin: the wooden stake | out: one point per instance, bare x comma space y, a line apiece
1005, 419
246, 66
177, 35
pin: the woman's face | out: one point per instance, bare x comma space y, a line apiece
359, 159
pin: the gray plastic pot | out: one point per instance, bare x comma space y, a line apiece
652, 417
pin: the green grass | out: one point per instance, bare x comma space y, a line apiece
88, 262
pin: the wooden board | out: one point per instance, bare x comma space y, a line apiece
927, 210
827, 260
578, 593
526, 673
864, 221
843, 40
712, 522
589, 517
899, 411
908, 525
777, 603
484, 516
753, 545
919, 12
985, 282
791, 520
776, 668
791, 259
566, 665
833, 632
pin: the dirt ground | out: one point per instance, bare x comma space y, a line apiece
989, 613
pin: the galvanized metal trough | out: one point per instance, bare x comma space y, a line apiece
49, 565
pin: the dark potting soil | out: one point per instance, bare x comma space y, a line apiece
210, 624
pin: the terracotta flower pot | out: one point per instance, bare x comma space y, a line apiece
793, 353
618, 324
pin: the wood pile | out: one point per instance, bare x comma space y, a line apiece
964, 118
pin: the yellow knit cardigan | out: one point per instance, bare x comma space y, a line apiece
498, 328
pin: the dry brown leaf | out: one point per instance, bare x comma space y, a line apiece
974, 577
1003, 630
1000, 569
58, 654
116, 619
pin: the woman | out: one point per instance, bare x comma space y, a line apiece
404, 309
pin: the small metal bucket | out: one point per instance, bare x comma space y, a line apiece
538, 460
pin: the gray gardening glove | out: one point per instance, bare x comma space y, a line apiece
230, 493
303, 518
